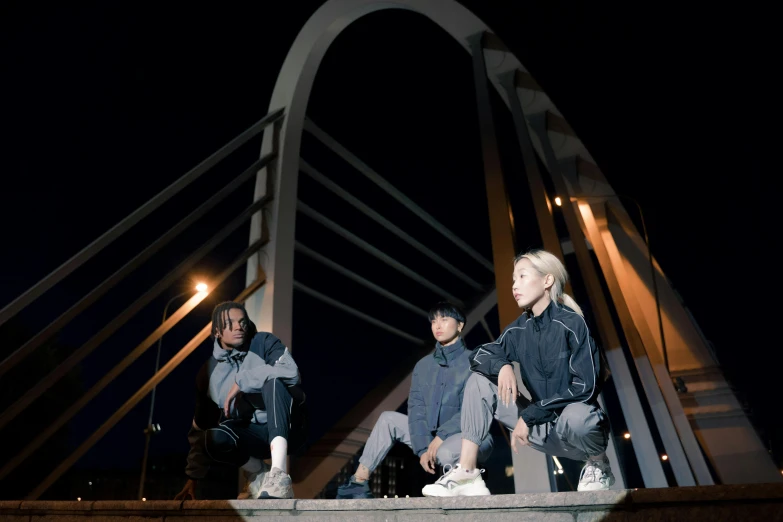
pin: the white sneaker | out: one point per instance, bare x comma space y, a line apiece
277, 484
253, 482
457, 482
596, 476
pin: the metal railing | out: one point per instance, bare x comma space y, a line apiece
93, 296
15, 306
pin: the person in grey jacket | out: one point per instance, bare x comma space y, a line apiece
432, 427
247, 398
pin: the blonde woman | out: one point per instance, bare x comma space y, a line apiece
560, 366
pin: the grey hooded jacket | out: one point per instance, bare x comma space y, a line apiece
266, 358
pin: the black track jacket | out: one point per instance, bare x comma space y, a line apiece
558, 360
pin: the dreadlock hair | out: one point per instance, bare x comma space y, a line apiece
446, 309
220, 314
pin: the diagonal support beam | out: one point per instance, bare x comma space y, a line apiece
96, 340
129, 359
364, 245
388, 225
376, 178
140, 213
156, 379
55, 326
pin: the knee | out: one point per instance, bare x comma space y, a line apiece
386, 418
580, 421
219, 440
475, 383
276, 385
447, 455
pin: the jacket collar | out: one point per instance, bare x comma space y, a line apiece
445, 354
223, 355
546, 316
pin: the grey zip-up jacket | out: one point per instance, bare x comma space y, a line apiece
266, 358
435, 398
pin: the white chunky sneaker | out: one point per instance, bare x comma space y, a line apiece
277, 484
253, 482
596, 476
457, 482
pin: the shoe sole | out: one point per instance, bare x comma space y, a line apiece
457, 493
264, 496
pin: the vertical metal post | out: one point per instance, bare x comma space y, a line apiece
148, 431
271, 308
530, 467
500, 216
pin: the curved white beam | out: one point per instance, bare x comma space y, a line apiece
292, 91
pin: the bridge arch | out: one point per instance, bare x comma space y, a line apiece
292, 92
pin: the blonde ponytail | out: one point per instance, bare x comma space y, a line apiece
570, 303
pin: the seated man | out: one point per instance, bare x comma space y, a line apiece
432, 427
247, 394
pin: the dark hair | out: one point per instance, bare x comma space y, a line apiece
218, 322
447, 309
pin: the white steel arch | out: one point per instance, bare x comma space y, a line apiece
292, 92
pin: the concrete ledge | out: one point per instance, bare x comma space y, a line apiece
713, 503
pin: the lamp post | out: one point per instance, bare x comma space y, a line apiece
150, 429
652, 268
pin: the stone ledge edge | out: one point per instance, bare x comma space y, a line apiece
571, 500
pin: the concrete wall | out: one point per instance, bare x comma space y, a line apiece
762, 502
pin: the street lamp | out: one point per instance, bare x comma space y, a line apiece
652, 270
150, 429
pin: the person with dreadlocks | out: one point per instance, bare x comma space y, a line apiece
248, 402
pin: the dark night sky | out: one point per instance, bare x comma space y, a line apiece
104, 105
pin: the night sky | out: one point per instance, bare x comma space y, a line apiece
106, 104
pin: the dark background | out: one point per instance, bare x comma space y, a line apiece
105, 105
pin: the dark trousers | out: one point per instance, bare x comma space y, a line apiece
235, 440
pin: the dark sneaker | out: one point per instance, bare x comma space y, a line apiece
353, 489
277, 484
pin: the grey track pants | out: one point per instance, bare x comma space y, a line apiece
580, 432
392, 427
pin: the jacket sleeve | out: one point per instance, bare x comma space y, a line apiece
489, 358
198, 460
585, 365
206, 416
279, 364
417, 417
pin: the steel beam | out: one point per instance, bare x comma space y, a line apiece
644, 447
137, 215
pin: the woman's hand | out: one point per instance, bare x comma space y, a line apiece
507, 385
